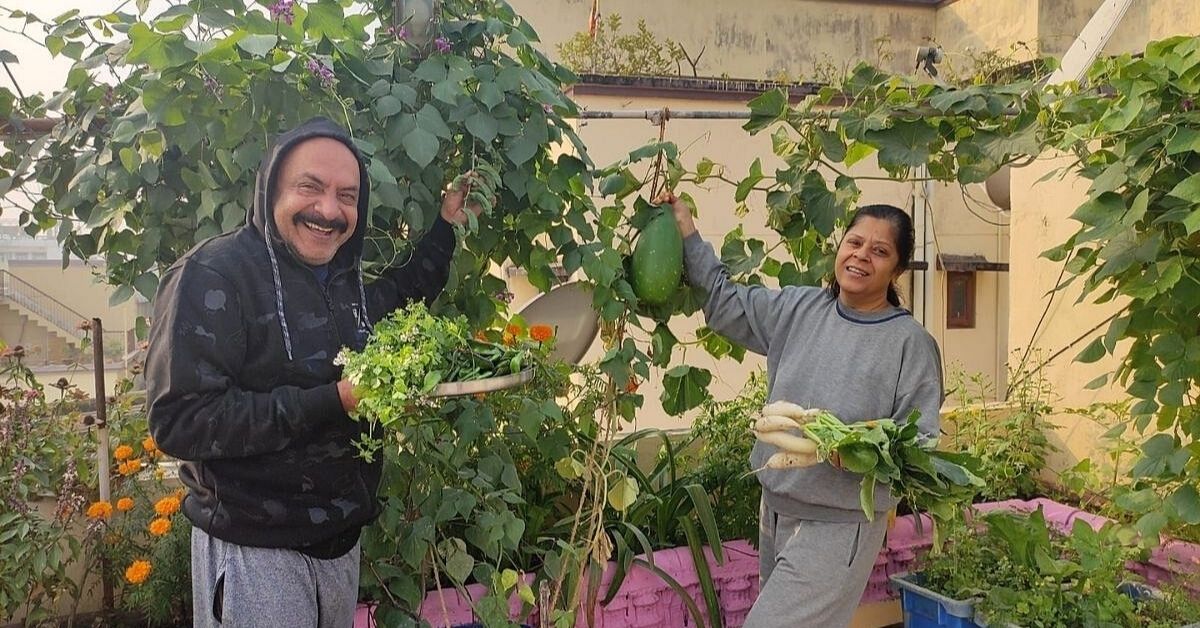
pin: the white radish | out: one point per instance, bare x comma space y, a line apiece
773, 423
784, 460
789, 443
792, 411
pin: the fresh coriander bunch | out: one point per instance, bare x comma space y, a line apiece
402, 363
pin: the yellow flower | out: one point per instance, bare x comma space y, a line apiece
123, 452
159, 474
100, 510
149, 445
125, 504
160, 526
541, 333
138, 571
509, 339
167, 506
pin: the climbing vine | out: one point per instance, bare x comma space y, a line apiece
164, 119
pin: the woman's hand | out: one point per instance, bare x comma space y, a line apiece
683, 215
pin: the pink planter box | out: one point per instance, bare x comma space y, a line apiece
1174, 561
644, 600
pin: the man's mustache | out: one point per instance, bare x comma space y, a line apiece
338, 224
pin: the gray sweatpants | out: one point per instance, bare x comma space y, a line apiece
259, 587
812, 573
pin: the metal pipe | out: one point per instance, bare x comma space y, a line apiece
102, 453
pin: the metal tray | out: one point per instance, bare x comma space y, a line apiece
489, 384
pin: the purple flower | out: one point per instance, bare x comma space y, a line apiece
398, 33
282, 10
322, 72
442, 44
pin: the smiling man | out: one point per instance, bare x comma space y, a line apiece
243, 389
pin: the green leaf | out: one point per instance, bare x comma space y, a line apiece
766, 109
1185, 140
831, 144
684, 388
325, 19
1186, 501
483, 126
1138, 501
258, 45
421, 146
906, 143
1100, 210
8, 57
1093, 352
388, 106
1188, 189
1192, 221
146, 285
857, 152
623, 494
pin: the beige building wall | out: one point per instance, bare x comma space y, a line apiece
767, 39
951, 227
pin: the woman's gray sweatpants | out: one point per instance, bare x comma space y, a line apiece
260, 587
812, 573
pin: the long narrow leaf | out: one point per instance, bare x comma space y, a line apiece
707, 587
694, 610
624, 560
703, 504
647, 548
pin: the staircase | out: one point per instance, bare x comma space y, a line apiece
38, 320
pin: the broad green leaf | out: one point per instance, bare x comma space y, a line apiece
1186, 501
684, 388
258, 45
1185, 140
1093, 352
421, 146
857, 152
906, 143
622, 494
388, 106
766, 109
1188, 189
482, 126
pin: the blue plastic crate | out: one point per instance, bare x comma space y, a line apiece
925, 609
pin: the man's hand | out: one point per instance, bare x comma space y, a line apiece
346, 394
683, 214
454, 205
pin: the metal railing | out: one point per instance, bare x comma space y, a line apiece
53, 311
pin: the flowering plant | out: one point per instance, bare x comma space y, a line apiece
140, 533
43, 471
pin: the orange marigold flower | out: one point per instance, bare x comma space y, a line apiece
138, 571
479, 335
541, 333
149, 445
509, 339
130, 467
631, 386
125, 504
160, 526
167, 506
123, 452
513, 329
100, 510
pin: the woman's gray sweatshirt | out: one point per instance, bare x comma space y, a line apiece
857, 365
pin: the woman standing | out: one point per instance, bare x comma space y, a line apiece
849, 349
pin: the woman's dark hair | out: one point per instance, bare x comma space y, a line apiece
906, 238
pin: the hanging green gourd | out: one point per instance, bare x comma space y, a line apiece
657, 264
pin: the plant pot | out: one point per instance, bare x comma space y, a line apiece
926, 609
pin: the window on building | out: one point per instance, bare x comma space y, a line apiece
960, 300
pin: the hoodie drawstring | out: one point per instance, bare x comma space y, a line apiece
287, 336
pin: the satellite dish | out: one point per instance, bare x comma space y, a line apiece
568, 309
999, 188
